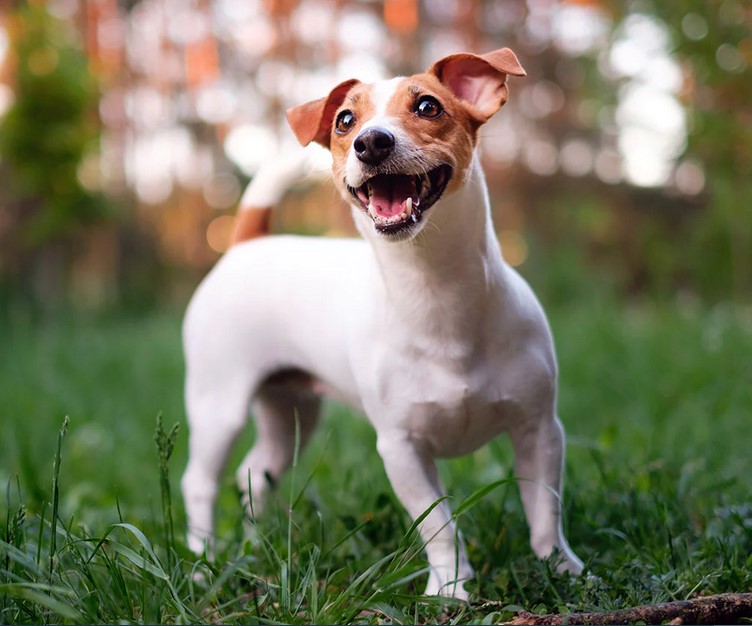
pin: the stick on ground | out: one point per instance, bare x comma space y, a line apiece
725, 608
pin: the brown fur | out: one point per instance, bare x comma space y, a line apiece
470, 87
312, 121
480, 80
440, 139
250, 223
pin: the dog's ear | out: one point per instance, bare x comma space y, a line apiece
312, 121
479, 80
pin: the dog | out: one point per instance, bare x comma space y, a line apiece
420, 324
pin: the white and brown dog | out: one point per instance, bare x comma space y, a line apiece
420, 325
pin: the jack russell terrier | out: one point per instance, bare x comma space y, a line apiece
422, 326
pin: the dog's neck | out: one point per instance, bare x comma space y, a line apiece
450, 261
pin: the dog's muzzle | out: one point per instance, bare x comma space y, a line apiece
396, 202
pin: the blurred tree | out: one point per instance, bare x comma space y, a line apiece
713, 41
183, 83
44, 140
717, 43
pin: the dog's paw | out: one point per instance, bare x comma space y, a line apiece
571, 565
447, 584
200, 545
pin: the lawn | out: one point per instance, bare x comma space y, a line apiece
656, 400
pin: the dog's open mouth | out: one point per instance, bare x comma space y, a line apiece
397, 201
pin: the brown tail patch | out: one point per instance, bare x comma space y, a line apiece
250, 223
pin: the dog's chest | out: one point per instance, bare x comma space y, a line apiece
459, 423
452, 405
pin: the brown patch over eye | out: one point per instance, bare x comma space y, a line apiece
439, 125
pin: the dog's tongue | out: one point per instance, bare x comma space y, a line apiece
388, 193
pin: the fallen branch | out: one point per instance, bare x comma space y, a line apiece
725, 608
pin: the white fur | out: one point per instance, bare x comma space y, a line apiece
275, 176
381, 94
440, 343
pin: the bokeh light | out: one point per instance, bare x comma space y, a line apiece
192, 99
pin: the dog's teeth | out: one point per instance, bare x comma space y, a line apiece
426, 190
408, 207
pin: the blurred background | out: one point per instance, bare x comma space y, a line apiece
621, 178
129, 128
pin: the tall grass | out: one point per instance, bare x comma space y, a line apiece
656, 401
122, 575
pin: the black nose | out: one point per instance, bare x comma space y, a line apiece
374, 145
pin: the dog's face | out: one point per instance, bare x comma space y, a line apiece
399, 145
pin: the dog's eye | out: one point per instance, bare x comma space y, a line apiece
428, 107
345, 121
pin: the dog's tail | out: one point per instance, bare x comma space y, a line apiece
265, 192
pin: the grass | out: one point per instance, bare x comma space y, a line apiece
656, 400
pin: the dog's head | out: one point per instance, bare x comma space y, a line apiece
399, 145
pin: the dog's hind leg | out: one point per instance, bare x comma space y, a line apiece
539, 462
217, 415
276, 409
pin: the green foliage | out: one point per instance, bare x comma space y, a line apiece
165, 446
721, 136
713, 41
656, 402
49, 130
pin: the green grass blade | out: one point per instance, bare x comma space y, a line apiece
390, 612
139, 560
165, 446
409, 537
475, 497
140, 537
41, 532
42, 595
14, 554
56, 491
401, 576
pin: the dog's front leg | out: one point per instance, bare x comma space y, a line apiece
413, 475
539, 462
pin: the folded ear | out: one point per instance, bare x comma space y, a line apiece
479, 80
312, 121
